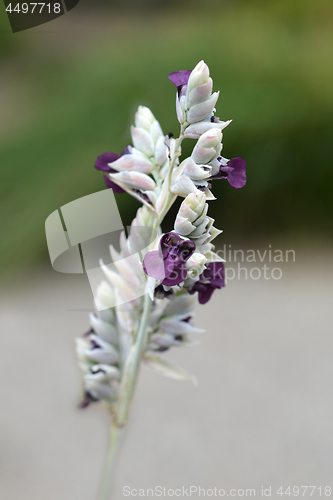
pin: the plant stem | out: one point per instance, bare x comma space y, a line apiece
132, 366
171, 197
115, 435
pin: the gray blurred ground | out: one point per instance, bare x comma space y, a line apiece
262, 414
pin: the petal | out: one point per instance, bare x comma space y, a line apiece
111, 185
214, 274
134, 180
237, 178
177, 275
180, 78
167, 369
205, 293
132, 162
201, 93
156, 131
142, 141
153, 265
183, 226
161, 154
199, 172
202, 110
223, 172
168, 242
103, 329
169, 264
199, 76
103, 160
185, 250
195, 130
184, 186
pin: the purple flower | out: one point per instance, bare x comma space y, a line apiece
180, 78
234, 172
102, 163
168, 262
209, 280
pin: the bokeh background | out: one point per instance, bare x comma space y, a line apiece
68, 92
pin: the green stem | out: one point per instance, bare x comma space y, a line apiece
115, 435
132, 366
171, 197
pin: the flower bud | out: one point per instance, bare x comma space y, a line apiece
144, 113
97, 389
172, 324
200, 229
197, 172
195, 130
196, 202
156, 132
142, 122
183, 226
103, 329
143, 141
133, 162
191, 213
199, 76
208, 146
161, 154
211, 139
200, 94
183, 186
164, 340
105, 296
106, 314
100, 351
103, 373
195, 265
202, 110
134, 180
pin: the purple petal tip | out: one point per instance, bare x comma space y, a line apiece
104, 159
180, 78
237, 177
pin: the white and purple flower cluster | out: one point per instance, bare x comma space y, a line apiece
175, 265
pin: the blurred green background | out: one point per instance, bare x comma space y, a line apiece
69, 90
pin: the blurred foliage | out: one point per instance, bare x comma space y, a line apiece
272, 62
7, 44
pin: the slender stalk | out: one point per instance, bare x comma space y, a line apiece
131, 369
171, 197
115, 435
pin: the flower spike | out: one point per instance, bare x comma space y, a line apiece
144, 305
